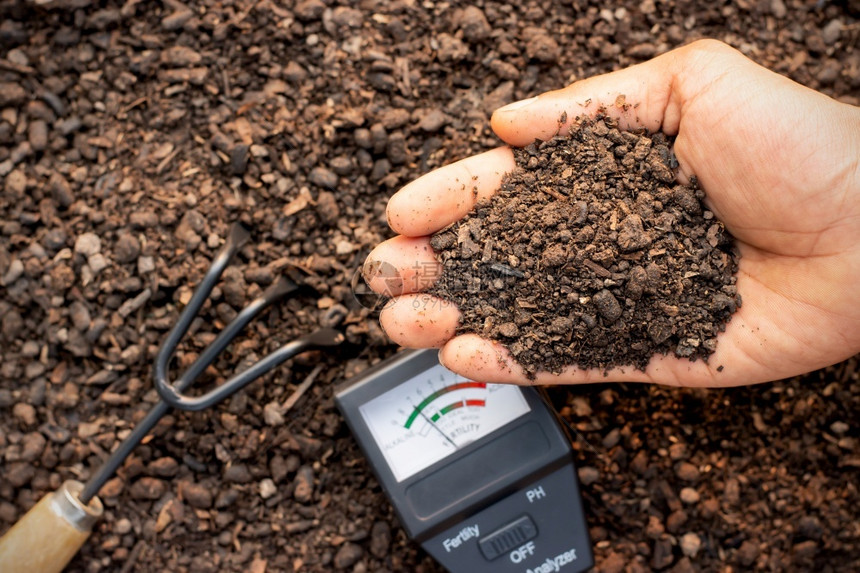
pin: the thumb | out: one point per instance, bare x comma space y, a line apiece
650, 95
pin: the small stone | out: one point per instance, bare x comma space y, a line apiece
55, 239
309, 10
432, 121
732, 491
37, 135
304, 484
632, 235
676, 520
607, 305
19, 474
13, 273
363, 138
678, 451
272, 414
380, 539
831, 31
323, 177
396, 148
16, 183
89, 429
588, 475
613, 563
690, 544
508, 330
612, 438
176, 20
148, 488
778, 9
97, 263
839, 427
56, 434
122, 526
25, 413
805, 550
18, 57
34, 370
239, 159
196, 495
451, 49
347, 555
268, 488
543, 48
687, 471
684, 565
295, 73
343, 247
112, 488
180, 56
104, 19
61, 190
126, 248
88, 244
30, 349
829, 72
381, 168
689, 495
237, 474
554, 256
474, 25
655, 527
810, 527
11, 94
349, 17
32, 446
505, 70
748, 553
327, 207
164, 467
341, 165
662, 556
145, 265
143, 219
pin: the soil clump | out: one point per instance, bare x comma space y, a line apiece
591, 254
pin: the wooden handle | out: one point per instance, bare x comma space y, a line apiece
50, 534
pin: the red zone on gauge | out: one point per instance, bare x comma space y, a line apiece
452, 406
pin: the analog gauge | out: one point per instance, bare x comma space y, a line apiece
434, 414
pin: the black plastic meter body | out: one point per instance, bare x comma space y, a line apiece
481, 475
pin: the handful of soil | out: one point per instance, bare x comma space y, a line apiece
592, 255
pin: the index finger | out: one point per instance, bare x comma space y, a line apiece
652, 95
446, 195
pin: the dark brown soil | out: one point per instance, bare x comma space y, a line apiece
133, 133
592, 255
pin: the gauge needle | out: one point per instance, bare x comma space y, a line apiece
435, 427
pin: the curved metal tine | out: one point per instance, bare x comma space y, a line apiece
239, 235
320, 338
237, 238
171, 394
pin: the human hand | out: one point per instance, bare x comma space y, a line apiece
780, 166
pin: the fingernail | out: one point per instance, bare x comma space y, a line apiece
517, 105
441, 361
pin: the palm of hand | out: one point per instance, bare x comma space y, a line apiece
781, 187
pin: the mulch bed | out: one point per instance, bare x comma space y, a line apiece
133, 133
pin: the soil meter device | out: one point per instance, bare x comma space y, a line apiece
480, 474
